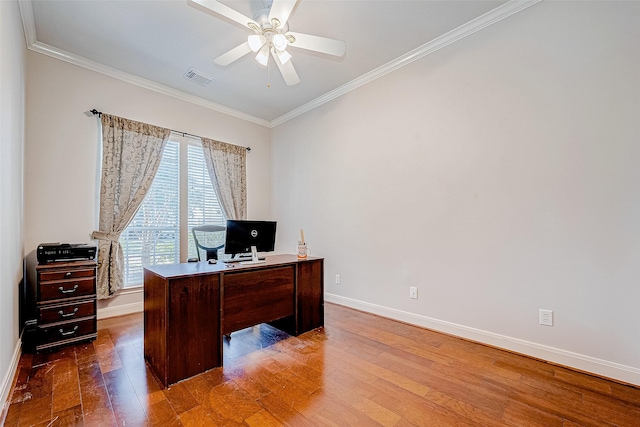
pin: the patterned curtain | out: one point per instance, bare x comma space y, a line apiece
227, 167
131, 154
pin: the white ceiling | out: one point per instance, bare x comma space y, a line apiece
153, 43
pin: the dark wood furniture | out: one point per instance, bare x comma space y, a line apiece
65, 303
188, 308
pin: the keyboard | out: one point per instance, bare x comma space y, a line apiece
233, 260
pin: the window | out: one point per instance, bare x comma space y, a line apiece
180, 197
203, 203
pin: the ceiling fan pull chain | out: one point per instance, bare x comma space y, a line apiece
269, 74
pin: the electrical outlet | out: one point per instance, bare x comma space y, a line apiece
413, 292
546, 317
338, 279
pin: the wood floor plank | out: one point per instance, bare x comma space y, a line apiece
180, 398
229, 403
162, 413
335, 411
124, 401
380, 396
624, 413
520, 414
286, 414
560, 403
96, 404
262, 419
420, 411
196, 417
359, 370
97, 407
71, 416
370, 408
381, 372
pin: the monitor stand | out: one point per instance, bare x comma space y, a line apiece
254, 257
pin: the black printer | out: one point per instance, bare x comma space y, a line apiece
58, 252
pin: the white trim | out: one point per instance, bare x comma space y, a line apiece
129, 290
141, 82
605, 368
123, 309
120, 310
483, 21
7, 382
28, 24
495, 15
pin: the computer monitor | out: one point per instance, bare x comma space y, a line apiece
243, 234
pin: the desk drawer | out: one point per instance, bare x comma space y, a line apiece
66, 289
63, 312
254, 297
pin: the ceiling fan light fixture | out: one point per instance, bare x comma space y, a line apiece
271, 36
279, 42
256, 42
263, 55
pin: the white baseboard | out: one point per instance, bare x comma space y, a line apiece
7, 382
604, 368
120, 310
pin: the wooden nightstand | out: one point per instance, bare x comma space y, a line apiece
65, 303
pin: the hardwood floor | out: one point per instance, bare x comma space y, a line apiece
358, 370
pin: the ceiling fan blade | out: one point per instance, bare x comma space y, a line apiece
281, 9
288, 72
225, 11
318, 44
233, 55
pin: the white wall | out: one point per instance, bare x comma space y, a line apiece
12, 88
499, 175
61, 155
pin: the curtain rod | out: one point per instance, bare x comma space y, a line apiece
99, 114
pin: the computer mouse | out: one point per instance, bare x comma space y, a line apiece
213, 261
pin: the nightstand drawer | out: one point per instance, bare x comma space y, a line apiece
64, 331
66, 289
68, 311
66, 274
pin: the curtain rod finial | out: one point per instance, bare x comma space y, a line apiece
248, 148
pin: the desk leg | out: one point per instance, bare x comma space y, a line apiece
193, 344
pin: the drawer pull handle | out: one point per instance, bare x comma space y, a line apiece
68, 291
67, 333
62, 313
68, 274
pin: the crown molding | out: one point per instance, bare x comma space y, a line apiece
141, 82
498, 14
495, 15
28, 23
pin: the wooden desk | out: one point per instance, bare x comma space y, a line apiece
189, 307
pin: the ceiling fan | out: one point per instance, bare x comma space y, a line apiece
271, 35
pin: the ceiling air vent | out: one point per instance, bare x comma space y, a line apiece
198, 77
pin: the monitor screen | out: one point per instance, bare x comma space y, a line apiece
242, 234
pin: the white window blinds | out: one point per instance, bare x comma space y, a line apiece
155, 234
203, 205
